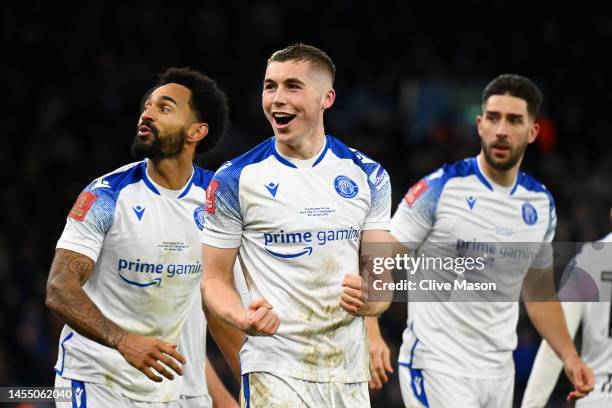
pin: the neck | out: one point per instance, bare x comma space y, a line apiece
504, 178
171, 173
304, 147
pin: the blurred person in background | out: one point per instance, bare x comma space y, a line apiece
460, 353
590, 269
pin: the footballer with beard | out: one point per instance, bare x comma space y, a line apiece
457, 350
127, 266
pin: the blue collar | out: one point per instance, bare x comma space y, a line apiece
288, 163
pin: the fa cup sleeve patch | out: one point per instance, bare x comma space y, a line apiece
209, 204
82, 206
415, 192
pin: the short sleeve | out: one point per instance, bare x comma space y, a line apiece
544, 257
88, 222
378, 217
223, 219
416, 213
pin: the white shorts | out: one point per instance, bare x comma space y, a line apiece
91, 395
267, 390
434, 389
201, 401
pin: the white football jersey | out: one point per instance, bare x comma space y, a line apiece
459, 207
192, 345
145, 241
596, 260
298, 225
587, 280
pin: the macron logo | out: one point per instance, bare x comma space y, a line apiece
471, 201
139, 211
79, 393
272, 188
417, 385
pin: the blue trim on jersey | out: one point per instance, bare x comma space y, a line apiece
188, 187
288, 163
146, 180
78, 385
378, 179
516, 184
427, 204
476, 170
246, 390
280, 158
107, 189
416, 375
202, 177
531, 184
342, 151
61, 370
118, 181
325, 149
184, 193
412, 350
227, 196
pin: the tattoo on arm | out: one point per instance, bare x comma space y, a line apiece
66, 297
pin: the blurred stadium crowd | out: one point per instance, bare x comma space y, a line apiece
73, 75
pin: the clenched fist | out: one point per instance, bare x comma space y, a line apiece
259, 319
354, 298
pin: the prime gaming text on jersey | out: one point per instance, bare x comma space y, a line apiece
155, 268
322, 236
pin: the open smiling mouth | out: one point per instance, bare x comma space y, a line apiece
282, 118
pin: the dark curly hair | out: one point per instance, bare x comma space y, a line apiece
208, 102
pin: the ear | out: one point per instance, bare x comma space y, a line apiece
329, 98
534, 132
197, 132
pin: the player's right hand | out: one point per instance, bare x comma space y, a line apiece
581, 377
147, 353
259, 319
380, 362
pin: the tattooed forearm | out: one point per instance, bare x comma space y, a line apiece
66, 297
82, 267
68, 265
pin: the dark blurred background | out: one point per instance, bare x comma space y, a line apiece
408, 89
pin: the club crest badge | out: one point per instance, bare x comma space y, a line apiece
530, 214
346, 187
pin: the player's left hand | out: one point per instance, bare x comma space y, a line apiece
380, 362
581, 377
353, 298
